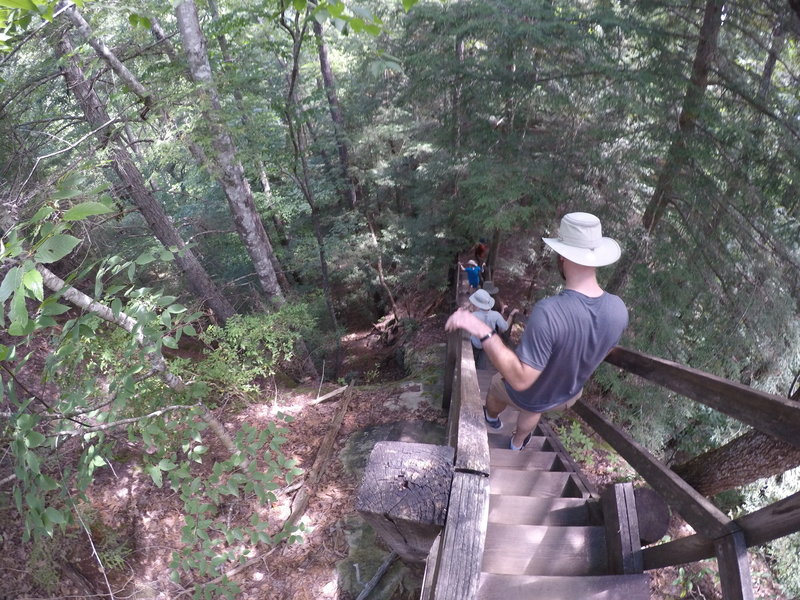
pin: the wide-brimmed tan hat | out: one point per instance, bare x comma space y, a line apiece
482, 300
580, 239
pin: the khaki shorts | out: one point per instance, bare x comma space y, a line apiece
498, 389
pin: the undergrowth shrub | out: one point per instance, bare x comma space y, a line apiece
249, 347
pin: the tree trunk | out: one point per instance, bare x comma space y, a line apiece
349, 185
106, 54
749, 457
301, 177
197, 279
677, 157
237, 95
230, 173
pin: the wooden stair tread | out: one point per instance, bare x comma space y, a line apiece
524, 510
546, 484
533, 460
544, 550
499, 438
529, 587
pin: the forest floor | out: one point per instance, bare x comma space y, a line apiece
134, 526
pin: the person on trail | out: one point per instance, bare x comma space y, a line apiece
473, 274
565, 339
501, 307
481, 251
481, 304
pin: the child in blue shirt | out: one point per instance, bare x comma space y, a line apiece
473, 274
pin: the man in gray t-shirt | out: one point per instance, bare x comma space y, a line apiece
567, 336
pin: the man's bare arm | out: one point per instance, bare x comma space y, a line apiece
518, 375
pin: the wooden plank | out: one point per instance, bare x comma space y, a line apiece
301, 500
430, 569
774, 415
500, 441
597, 587
525, 461
472, 450
544, 550
771, 522
450, 361
622, 529
677, 552
523, 510
458, 568
696, 509
544, 484
734, 567
764, 525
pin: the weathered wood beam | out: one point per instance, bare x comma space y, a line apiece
696, 509
734, 567
622, 529
769, 413
452, 357
472, 450
458, 568
764, 525
404, 495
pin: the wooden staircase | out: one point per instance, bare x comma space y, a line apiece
545, 537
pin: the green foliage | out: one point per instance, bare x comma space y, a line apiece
211, 544
249, 347
88, 350
689, 578
577, 442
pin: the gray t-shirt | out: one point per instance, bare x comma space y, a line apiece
493, 319
566, 337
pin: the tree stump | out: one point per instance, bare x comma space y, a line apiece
653, 513
404, 495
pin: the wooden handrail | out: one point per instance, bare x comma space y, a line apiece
774, 415
696, 509
727, 539
456, 564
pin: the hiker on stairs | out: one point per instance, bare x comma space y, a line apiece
566, 337
481, 304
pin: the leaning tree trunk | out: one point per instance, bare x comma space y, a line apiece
743, 460
248, 127
749, 457
677, 157
349, 185
197, 279
229, 170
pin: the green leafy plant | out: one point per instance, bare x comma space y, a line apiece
688, 581
112, 375
577, 443
249, 347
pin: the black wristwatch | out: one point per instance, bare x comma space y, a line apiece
486, 337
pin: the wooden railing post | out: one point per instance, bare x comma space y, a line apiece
404, 495
734, 567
